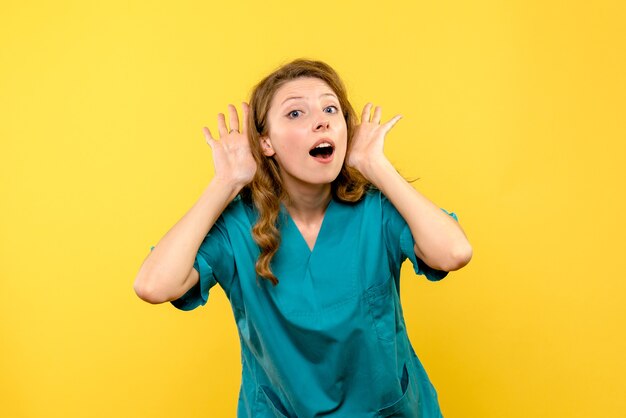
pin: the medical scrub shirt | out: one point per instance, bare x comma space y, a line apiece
330, 338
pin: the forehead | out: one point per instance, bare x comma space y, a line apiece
305, 87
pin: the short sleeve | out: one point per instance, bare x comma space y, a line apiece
214, 262
400, 243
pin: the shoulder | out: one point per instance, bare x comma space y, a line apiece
377, 205
374, 200
239, 211
371, 195
371, 205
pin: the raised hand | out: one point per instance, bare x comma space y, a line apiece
232, 158
369, 138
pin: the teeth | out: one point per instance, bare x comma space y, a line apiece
324, 145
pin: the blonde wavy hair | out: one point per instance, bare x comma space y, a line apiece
266, 190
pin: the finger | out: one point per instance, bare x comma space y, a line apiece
234, 118
245, 114
377, 114
221, 125
365, 116
208, 137
387, 126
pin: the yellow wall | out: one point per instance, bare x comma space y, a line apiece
514, 118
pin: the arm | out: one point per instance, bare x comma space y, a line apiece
167, 273
439, 240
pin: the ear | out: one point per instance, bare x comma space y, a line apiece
266, 146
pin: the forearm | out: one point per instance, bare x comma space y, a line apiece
439, 240
164, 271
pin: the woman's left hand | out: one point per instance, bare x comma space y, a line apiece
368, 141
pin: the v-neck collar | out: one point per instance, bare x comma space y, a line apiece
298, 233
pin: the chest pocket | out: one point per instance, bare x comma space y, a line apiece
385, 310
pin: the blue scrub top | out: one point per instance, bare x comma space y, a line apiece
330, 338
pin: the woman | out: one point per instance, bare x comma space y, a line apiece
305, 226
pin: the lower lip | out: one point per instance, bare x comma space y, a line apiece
325, 160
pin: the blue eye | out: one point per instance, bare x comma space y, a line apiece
293, 114
335, 110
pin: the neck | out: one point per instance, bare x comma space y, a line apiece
308, 202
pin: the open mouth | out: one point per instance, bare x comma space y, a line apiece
324, 150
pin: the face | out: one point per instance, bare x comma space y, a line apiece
307, 132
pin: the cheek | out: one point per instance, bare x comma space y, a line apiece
293, 139
343, 142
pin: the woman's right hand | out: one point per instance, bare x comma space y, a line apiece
232, 158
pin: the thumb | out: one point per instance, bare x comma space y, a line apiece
207, 135
387, 126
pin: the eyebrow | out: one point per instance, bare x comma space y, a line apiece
300, 97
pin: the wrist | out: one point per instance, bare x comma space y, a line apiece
374, 168
228, 186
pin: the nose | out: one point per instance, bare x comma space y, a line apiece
322, 125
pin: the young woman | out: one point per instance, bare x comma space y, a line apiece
305, 226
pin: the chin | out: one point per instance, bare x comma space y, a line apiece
316, 176
320, 179
330, 177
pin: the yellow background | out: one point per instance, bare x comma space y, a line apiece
514, 118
